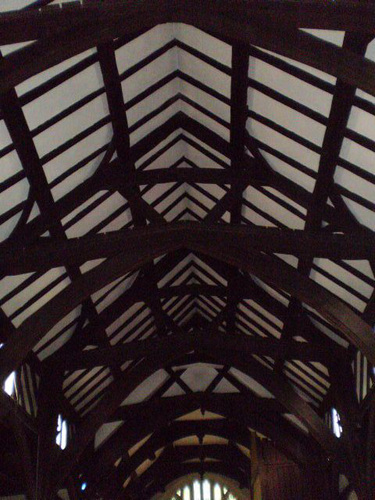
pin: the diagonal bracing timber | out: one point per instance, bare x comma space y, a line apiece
121, 388
220, 246
242, 247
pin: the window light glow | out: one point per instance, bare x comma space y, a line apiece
197, 490
10, 384
62, 433
203, 490
206, 490
217, 492
336, 426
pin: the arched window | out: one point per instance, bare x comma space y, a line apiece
203, 490
333, 421
336, 424
62, 432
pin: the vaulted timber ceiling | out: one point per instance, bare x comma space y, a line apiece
187, 227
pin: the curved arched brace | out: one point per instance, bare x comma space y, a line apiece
174, 433
169, 489
138, 16
155, 414
282, 434
122, 387
213, 451
111, 478
35, 327
163, 472
113, 481
213, 241
237, 473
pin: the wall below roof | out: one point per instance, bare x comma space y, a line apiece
282, 479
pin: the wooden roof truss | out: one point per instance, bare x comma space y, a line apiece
176, 239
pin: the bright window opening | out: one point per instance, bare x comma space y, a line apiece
197, 490
10, 384
336, 425
62, 433
217, 492
203, 490
206, 490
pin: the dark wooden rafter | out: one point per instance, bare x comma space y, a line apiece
75, 251
20, 134
240, 69
121, 136
136, 293
334, 136
167, 474
78, 27
131, 190
19, 131
166, 436
282, 390
176, 456
343, 16
341, 220
137, 349
319, 54
110, 177
262, 266
215, 402
163, 438
244, 411
48, 410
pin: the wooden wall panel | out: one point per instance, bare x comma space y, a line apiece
282, 479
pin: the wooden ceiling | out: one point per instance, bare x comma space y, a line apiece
187, 197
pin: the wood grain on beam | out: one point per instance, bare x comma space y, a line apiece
18, 26
18, 260
250, 345
289, 42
